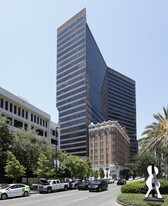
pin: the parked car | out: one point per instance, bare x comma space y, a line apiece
74, 183
52, 185
121, 181
110, 181
98, 185
84, 185
14, 190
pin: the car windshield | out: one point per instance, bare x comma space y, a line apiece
96, 182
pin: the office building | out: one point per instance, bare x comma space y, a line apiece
23, 115
109, 148
85, 88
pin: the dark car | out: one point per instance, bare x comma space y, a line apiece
74, 183
98, 185
84, 185
121, 181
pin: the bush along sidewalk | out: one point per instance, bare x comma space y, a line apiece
133, 194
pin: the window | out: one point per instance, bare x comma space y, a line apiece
1, 103
101, 144
26, 114
39, 132
32, 117
101, 150
25, 126
95, 151
11, 107
37, 120
23, 113
40, 121
19, 111
95, 157
15, 109
18, 124
6, 105
101, 157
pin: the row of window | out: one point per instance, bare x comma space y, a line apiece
73, 110
18, 124
78, 67
72, 52
72, 58
72, 84
77, 32
72, 64
38, 120
70, 43
67, 91
71, 105
8, 106
101, 151
13, 108
78, 43
72, 27
101, 144
101, 157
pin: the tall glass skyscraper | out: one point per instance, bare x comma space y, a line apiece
87, 90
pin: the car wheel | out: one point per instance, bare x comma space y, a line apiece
26, 194
49, 190
65, 188
4, 196
99, 189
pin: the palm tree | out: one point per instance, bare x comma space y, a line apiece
156, 139
156, 133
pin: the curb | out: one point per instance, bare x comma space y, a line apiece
120, 203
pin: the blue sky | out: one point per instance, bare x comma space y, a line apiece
132, 36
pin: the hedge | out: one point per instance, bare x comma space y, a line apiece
140, 187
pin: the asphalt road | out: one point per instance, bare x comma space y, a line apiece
68, 198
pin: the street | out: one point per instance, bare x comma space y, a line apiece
68, 198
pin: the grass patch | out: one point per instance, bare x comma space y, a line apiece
137, 200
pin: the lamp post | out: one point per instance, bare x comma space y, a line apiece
56, 151
116, 167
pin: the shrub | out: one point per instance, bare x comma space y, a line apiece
134, 187
140, 187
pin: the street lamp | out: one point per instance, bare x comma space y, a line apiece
56, 151
116, 167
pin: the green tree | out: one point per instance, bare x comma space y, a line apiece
27, 149
95, 173
13, 167
101, 172
141, 162
44, 167
5, 142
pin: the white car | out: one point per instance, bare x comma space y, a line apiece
14, 190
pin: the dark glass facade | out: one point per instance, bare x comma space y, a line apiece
84, 88
122, 104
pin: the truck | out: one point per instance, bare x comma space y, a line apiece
52, 185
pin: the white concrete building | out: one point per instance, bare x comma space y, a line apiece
24, 115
